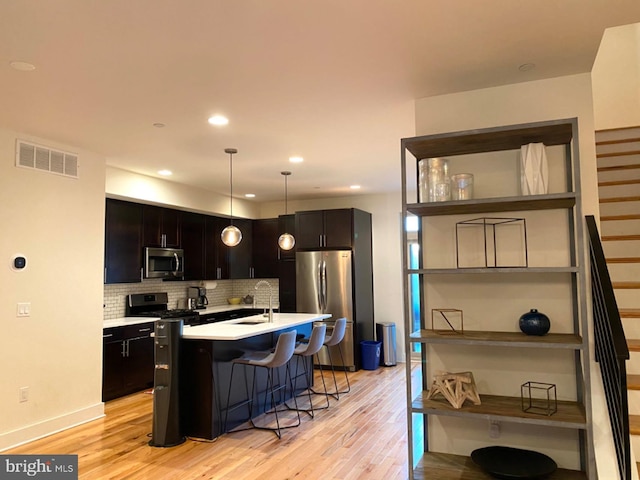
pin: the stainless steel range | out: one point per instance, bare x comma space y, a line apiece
156, 305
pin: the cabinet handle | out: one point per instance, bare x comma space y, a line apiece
163, 240
124, 349
141, 273
144, 330
105, 274
320, 239
107, 335
219, 273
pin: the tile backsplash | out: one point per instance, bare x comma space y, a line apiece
217, 293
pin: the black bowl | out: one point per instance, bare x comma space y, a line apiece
513, 463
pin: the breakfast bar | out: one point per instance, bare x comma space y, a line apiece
205, 367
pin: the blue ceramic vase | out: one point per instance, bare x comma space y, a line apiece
534, 323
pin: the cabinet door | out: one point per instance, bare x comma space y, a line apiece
139, 370
309, 229
123, 242
112, 363
338, 230
193, 243
287, 286
216, 259
161, 226
240, 256
265, 248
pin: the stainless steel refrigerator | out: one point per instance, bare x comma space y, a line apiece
327, 281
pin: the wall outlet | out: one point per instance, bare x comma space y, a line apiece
24, 309
23, 394
494, 429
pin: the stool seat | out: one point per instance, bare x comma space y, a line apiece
270, 360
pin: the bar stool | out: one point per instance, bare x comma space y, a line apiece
335, 339
269, 360
301, 353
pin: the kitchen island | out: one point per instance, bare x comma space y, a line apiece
205, 367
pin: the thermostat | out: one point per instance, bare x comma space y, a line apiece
19, 262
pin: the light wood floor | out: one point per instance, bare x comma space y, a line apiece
363, 435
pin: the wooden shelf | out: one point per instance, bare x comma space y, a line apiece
501, 204
445, 466
500, 339
491, 271
500, 408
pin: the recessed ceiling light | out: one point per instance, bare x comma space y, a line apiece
158, 125
165, 173
355, 187
250, 195
296, 159
218, 120
525, 67
22, 66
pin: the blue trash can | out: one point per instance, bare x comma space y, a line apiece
370, 351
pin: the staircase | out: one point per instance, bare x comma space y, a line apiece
618, 155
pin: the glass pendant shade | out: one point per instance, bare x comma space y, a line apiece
231, 236
286, 241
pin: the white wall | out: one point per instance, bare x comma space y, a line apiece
616, 78
556, 98
58, 224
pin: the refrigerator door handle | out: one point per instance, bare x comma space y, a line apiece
319, 285
324, 286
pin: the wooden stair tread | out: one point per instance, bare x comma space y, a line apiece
623, 260
629, 312
633, 382
634, 346
613, 218
617, 238
617, 154
634, 424
616, 142
632, 198
626, 285
613, 183
614, 168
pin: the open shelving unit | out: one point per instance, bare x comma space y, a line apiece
494, 338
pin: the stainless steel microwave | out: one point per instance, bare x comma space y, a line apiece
163, 262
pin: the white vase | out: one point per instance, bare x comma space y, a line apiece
534, 170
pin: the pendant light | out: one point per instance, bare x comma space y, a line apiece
231, 235
286, 241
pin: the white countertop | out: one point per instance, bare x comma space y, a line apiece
234, 330
123, 321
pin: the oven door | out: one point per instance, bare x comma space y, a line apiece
163, 262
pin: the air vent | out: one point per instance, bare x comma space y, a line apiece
30, 155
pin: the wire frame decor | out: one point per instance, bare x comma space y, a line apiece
444, 321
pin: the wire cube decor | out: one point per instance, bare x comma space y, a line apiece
539, 398
493, 237
441, 313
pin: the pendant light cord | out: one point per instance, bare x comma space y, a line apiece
230, 188
285, 195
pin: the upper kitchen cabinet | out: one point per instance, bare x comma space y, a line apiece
123, 242
338, 228
264, 238
216, 258
193, 228
161, 226
240, 256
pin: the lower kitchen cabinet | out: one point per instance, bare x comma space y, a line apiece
127, 360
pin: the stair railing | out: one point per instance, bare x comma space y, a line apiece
611, 350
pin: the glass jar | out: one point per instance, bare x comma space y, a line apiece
438, 181
462, 186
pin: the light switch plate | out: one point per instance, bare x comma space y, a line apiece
24, 309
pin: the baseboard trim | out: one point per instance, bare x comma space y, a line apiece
50, 426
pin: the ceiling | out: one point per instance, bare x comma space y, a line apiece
331, 81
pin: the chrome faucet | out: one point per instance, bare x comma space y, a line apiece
264, 282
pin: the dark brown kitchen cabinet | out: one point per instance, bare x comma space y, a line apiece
287, 285
161, 226
216, 258
326, 228
193, 230
123, 242
127, 360
265, 250
240, 258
